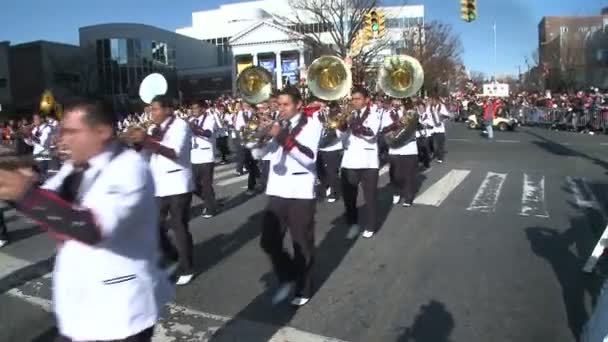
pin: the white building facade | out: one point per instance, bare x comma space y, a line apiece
251, 33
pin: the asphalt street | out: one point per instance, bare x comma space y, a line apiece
492, 250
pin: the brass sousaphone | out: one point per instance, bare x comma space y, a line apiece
400, 77
255, 86
330, 79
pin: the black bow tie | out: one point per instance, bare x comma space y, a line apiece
71, 184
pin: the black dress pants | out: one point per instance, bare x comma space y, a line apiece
252, 167
222, 146
402, 175
3, 230
297, 215
203, 185
144, 336
439, 145
177, 207
265, 170
368, 178
424, 151
329, 169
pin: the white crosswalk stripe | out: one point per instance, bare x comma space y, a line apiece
486, 198
533, 196
583, 194
438, 192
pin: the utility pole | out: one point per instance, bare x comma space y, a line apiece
495, 54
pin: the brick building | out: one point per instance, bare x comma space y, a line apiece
573, 51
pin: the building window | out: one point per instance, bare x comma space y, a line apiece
3, 83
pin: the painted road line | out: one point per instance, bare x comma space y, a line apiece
213, 327
533, 196
383, 170
232, 180
508, 141
438, 192
604, 144
224, 173
487, 195
583, 195
455, 139
10, 264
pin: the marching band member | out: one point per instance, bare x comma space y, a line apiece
106, 281
40, 137
169, 147
360, 162
438, 112
202, 156
222, 134
329, 159
291, 197
423, 134
403, 159
239, 121
264, 109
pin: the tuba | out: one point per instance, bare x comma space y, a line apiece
330, 79
400, 77
254, 84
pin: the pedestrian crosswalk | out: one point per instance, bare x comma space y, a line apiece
487, 189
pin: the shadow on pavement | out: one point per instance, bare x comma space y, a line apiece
25, 274
212, 251
562, 150
432, 323
566, 252
328, 256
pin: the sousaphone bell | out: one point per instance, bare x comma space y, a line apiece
400, 77
254, 84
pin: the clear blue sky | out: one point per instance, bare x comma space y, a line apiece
516, 21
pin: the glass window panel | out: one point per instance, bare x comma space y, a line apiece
114, 49
122, 51
130, 51
106, 49
124, 80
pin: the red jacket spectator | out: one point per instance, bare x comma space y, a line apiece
490, 108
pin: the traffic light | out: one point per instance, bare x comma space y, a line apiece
374, 24
468, 10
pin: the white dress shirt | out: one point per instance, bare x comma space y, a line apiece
362, 152
173, 177
113, 289
203, 147
42, 142
293, 173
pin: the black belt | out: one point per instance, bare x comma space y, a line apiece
299, 173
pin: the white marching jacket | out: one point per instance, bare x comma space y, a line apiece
293, 173
362, 152
113, 289
203, 147
173, 177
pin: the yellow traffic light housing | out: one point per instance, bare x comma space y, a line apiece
374, 24
468, 10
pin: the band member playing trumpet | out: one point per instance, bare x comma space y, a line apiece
202, 156
360, 162
402, 154
40, 137
169, 147
291, 196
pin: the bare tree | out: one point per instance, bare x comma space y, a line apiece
332, 27
438, 49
